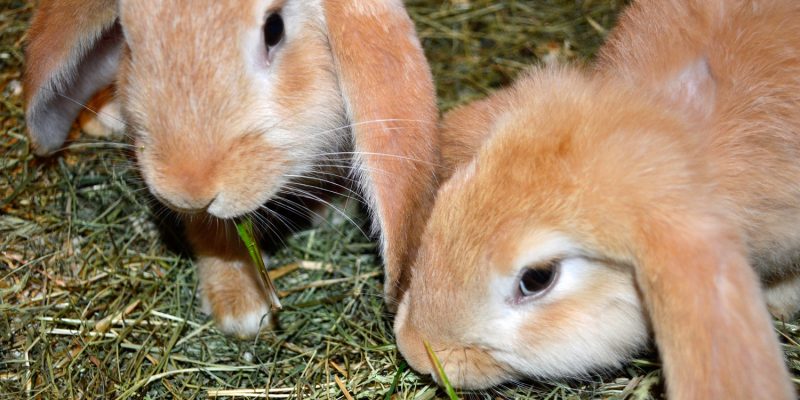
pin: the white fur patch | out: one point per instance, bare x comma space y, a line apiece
107, 122
693, 88
248, 324
508, 317
602, 333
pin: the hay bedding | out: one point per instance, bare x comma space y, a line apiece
97, 294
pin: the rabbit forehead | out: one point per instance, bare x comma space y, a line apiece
210, 32
140, 15
206, 31
210, 64
589, 161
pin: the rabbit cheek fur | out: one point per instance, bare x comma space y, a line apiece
223, 123
670, 172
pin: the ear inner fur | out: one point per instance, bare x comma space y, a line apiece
390, 99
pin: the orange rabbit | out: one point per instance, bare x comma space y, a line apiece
232, 103
647, 195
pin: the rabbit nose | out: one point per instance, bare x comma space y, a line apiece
187, 186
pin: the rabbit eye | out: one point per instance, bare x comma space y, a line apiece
273, 30
537, 280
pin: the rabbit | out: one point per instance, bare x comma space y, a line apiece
102, 116
654, 194
231, 103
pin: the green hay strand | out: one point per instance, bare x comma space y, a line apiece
247, 234
397, 375
451, 393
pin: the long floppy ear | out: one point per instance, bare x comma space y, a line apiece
391, 102
73, 51
710, 320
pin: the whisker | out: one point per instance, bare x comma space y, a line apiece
260, 220
84, 106
404, 158
357, 195
305, 194
312, 212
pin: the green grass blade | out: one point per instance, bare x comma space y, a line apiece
395, 381
440, 370
247, 234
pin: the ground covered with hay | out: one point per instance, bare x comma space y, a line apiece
98, 296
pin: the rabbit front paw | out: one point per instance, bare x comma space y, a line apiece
232, 294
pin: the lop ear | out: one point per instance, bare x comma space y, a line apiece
710, 320
391, 103
73, 51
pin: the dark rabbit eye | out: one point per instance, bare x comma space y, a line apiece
273, 30
537, 280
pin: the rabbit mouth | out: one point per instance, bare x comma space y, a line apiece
172, 206
187, 211
471, 368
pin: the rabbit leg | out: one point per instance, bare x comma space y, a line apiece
783, 297
231, 293
102, 116
230, 289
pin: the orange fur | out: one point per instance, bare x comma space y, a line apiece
467, 127
670, 170
309, 65
398, 151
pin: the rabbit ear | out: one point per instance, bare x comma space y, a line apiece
391, 103
711, 324
73, 51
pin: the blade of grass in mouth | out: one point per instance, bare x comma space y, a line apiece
247, 234
451, 393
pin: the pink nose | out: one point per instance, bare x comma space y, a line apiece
186, 185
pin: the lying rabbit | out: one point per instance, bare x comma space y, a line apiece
651, 193
231, 102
